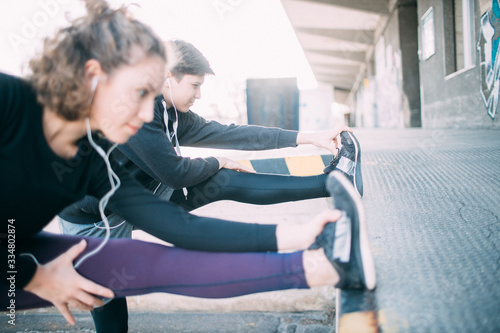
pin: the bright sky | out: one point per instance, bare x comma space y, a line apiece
240, 38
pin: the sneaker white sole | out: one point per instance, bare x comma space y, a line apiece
364, 243
356, 171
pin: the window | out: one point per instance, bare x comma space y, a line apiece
459, 35
463, 34
428, 34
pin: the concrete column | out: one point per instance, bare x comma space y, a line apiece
408, 35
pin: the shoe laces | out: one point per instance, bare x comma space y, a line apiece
335, 160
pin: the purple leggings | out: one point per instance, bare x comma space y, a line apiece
131, 267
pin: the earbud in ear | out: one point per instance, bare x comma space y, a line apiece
95, 81
168, 82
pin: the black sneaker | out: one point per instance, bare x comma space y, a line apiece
348, 160
345, 242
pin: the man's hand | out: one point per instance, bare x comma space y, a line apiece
59, 283
324, 139
233, 165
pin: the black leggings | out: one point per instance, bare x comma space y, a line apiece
252, 188
113, 317
258, 188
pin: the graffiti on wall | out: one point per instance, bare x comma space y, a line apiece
489, 64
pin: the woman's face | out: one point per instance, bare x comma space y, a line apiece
123, 100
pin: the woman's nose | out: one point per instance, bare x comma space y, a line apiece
146, 113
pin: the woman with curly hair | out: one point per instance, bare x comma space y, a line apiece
98, 77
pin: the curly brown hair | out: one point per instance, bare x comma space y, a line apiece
107, 35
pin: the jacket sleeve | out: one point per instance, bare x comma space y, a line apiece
196, 131
151, 150
10, 88
172, 224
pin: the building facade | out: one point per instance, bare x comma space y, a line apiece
434, 65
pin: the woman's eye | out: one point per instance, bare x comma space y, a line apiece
143, 92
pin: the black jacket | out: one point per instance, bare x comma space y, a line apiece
151, 157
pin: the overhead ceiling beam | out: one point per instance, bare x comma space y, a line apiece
357, 36
345, 79
335, 70
344, 67
357, 56
340, 78
346, 75
346, 83
343, 86
372, 6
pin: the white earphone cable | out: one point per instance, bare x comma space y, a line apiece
115, 184
176, 124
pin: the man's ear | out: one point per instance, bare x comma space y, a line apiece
168, 79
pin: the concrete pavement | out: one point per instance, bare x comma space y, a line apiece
433, 203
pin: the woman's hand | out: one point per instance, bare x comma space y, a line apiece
299, 236
59, 283
233, 165
324, 139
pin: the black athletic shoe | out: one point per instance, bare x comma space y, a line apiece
348, 161
345, 242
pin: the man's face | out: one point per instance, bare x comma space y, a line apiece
185, 92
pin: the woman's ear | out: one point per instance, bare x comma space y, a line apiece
93, 71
